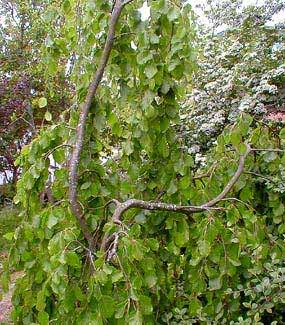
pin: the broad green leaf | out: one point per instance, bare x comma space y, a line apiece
48, 116
204, 247
85, 185
173, 13
107, 306
172, 188
117, 277
52, 221
41, 301
42, 102
151, 71
181, 233
195, 306
43, 318
73, 259
215, 284
136, 319
145, 305
184, 183
9, 236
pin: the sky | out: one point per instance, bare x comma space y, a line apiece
276, 19
145, 10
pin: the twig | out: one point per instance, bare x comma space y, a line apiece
232, 181
160, 195
268, 149
259, 175
209, 173
64, 145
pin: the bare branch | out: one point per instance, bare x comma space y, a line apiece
232, 181
268, 149
260, 176
205, 175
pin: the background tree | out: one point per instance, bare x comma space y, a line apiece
27, 93
241, 69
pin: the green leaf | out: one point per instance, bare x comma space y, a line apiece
48, 116
279, 210
59, 156
184, 183
120, 310
154, 39
128, 148
144, 57
204, 247
172, 188
52, 221
140, 218
234, 262
43, 318
195, 306
73, 260
117, 276
163, 147
107, 306
282, 134
270, 156
41, 301
153, 244
173, 13
145, 305
151, 280
136, 319
181, 233
9, 236
85, 185
150, 71
215, 284
42, 102
164, 124
236, 138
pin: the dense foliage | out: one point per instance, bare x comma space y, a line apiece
221, 263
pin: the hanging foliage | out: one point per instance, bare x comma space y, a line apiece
136, 232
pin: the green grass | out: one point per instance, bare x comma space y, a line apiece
9, 220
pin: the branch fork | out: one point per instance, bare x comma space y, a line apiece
80, 131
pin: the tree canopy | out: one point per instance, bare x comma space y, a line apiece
141, 229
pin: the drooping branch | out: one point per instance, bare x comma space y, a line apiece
232, 181
80, 132
120, 208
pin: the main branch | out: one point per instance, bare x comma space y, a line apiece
75, 157
120, 208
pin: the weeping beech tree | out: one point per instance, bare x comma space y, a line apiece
136, 232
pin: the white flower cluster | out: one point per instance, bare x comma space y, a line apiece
239, 71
